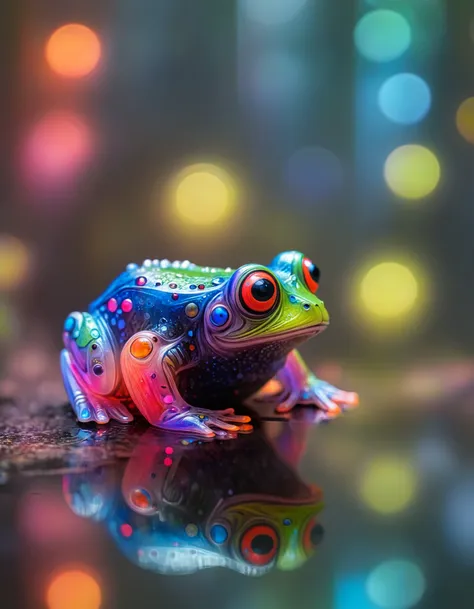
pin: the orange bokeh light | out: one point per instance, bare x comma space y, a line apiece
73, 50
73, 590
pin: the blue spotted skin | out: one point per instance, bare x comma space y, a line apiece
154, 307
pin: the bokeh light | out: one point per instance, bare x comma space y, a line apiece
204, 194
404, 98
272, 12
73, 589
459, 519
389, 290
56, 149
412, 171
396, 584
465, 119
313, 173
382, 35
388, 484
73, 50
350, 592
14, 262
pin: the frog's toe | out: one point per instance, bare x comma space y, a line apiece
120, 413
84, 412
347, 400
99, 412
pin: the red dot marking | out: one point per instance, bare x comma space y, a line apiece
174, 296
127, 305
169, 450
126, 530
141, 281
112, 305
168, 461
201, 286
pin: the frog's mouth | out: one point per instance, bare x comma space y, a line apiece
312, 330
252, 339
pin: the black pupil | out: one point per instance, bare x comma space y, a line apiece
263, 290
314, 272
98, 370
262, 544
317, 534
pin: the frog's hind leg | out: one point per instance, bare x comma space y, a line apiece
149, 369
90, 371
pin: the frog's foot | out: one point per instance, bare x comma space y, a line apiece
328, 399
87, 405
207, 423
295, 384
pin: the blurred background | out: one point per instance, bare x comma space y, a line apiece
224, 132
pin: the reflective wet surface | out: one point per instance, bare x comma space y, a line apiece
375, 509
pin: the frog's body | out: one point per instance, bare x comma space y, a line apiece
176, 338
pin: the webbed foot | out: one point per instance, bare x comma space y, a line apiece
207, 423
295, 384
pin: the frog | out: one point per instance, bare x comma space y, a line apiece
177, 341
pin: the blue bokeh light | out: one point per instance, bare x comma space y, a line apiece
313, 173
396, 584
382, 35
404, 98
350, 592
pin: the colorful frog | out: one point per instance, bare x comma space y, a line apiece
177, 340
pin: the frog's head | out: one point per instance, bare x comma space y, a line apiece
262, 304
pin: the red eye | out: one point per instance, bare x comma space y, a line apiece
313, 535
259, 545
311, 275
259, 292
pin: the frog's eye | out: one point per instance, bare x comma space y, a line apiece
312, 535
259, 545
259, 292
311, 275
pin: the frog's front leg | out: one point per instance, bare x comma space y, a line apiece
149, 369
90, 371
300, 386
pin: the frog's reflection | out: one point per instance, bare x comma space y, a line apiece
180, 506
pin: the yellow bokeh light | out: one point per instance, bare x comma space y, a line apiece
412, 171
204, 194
389, 290
14, 262
73, 50
465, 119
73, 590
389, 484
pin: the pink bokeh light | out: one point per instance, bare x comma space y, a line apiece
56, 150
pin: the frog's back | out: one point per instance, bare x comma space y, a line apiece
155, 295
